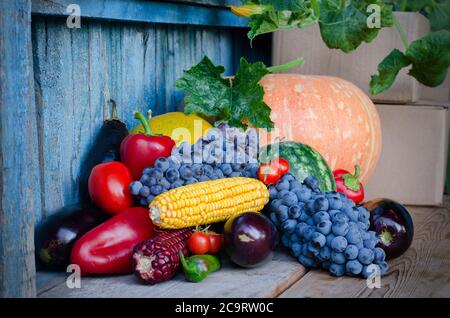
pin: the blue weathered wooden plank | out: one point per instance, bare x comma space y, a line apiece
143, 11
55, 84
81, 119
19, 159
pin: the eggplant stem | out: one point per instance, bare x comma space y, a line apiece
113, 108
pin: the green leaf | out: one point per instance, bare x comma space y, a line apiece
407, 5
209, 92
290, 5
248, 96
283, 15
343, 24
271, 21
430, 58
227, 100
437, 11
387, 71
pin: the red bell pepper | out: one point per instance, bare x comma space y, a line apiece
108, 186
349, 184
139, 151
107, 248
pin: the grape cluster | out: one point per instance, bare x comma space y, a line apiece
223, 153
324, 229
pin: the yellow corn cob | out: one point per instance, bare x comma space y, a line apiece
208, 202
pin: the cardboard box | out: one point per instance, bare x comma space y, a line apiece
359, 65
413, 161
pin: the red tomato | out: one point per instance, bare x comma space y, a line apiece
108, 187
349, 184
199, 243
215, 241
271, 172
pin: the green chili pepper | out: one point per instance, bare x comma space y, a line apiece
197, 267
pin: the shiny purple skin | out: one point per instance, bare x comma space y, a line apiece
393, 224
250, 239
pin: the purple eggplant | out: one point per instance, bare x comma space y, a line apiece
393, 224
250, 239
56, 235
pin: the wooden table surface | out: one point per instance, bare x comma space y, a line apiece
423, 271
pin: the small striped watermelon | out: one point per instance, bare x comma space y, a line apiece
303, 160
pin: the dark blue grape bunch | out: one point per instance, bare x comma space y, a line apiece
324, 229
205, 160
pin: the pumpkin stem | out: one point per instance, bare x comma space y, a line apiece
287, 66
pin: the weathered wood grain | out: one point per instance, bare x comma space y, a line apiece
19, 160
268, 280
144, 11
423, 271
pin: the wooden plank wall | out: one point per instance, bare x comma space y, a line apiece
19, 159
78, 70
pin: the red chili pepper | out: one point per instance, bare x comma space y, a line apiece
108, 186
140, 151
107, 248
271, 172
349, 184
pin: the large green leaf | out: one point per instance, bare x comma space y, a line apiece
387, 71
227, 100
437, 11
278, 15
430, 58
343, 24
271, 21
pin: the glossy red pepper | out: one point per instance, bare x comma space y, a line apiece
140, 151
107, 248
108, 186
349, 184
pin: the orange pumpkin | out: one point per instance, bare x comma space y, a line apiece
330, 114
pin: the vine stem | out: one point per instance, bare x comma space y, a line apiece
315, 5
287, 66
401, 31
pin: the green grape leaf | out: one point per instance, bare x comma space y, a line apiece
430, 58
233, 100
437, 11
271, 21
344, 24
387, 71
